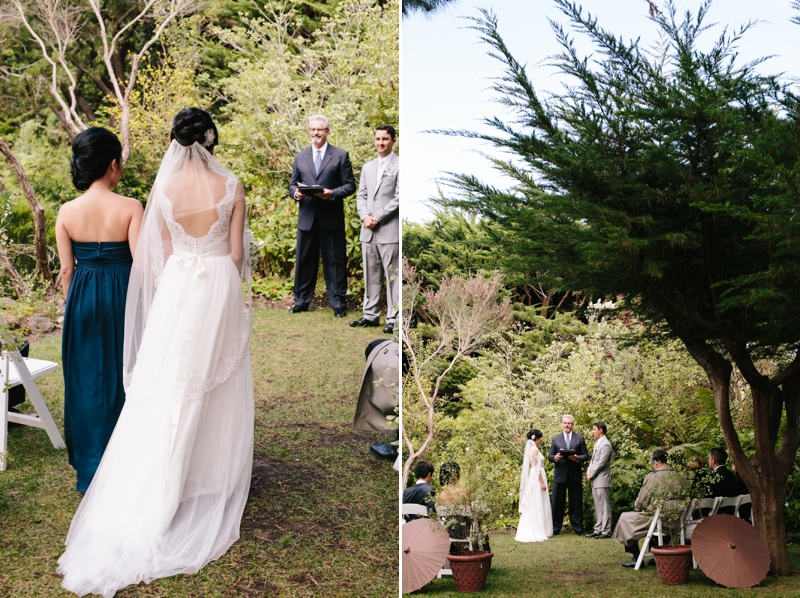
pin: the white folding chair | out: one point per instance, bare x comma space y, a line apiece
445, 511
413, 509
655, 527
16, 370
728, 501
695, 516
744, 499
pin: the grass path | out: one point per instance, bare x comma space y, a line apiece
568, 566
321, 519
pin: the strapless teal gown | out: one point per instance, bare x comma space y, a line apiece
91, 345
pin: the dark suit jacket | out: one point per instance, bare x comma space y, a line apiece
568, 471
420, 494
336, 174
726, 484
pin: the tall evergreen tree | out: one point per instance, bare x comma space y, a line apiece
673, 177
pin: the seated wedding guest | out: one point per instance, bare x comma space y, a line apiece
658, 484
698, 475
725, 483
380, 387
421, 493
450, 495
96, 234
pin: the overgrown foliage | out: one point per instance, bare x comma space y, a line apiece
261, 66
671, 178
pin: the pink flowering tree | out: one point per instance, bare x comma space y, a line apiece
462, 316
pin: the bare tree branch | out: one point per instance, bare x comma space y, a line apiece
40, 236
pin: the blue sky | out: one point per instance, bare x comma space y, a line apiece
445, 72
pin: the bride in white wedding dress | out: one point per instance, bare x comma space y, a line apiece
536, 518
169, 493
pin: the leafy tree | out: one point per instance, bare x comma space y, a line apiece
424, 6
347, 70
673, 178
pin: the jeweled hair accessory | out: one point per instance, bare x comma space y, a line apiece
209, 138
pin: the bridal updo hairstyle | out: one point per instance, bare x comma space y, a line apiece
93, 150
534, 435
192, 125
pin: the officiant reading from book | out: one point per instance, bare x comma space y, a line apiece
568, 451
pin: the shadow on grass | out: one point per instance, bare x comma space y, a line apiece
321, 518
567, 566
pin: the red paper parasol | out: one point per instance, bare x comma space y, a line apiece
730, 551
426, 545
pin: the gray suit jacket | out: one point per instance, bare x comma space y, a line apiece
600, 465
379, 197
380, 388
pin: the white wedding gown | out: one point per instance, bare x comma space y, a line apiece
536, 518
169, 493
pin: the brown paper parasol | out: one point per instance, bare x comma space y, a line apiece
730, 551
426, 545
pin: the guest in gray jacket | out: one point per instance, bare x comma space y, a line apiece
599, 475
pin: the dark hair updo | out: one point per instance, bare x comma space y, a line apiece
192, 125
534, 435
93, 150
449, 473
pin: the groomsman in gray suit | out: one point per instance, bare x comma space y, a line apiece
378, 203
599, 474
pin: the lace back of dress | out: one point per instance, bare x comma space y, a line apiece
189, 210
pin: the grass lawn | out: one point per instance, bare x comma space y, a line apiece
568, 565
321, 519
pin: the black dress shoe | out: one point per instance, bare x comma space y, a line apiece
339, 312
632, 563
592, 535
389, 329
298, 308
602, 536
364, 323
387, 452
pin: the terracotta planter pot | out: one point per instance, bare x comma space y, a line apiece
470, 569
673, 562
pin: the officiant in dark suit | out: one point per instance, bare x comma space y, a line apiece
567, 478
320, 222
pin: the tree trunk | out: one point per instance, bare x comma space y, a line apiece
767, 475
20, 288
40, 233
63, 120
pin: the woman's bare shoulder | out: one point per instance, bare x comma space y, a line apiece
130, 203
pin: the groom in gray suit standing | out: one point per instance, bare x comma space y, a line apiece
599, 474
378, 203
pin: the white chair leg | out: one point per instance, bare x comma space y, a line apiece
4, 374
649, 535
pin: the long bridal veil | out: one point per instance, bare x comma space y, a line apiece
536, 520
190, 186
169, 493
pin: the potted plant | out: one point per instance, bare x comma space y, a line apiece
673, 560
466, 515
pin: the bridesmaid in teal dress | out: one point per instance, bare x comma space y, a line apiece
96, 235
